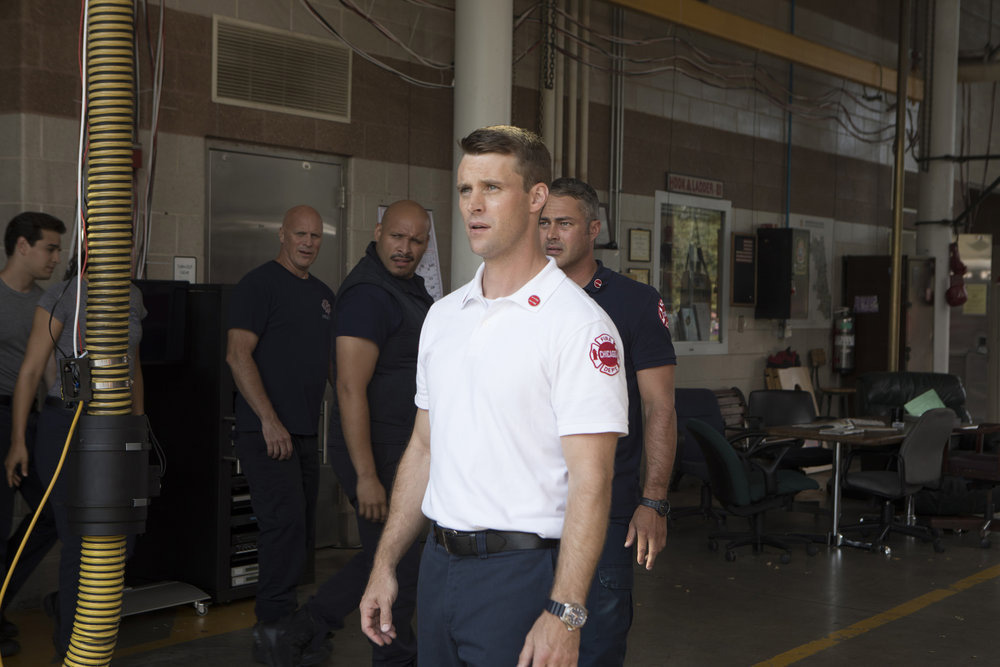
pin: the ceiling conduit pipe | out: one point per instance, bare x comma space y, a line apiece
617, 124
584, 156
557, 152
902, 69
107, 467
788, 123
573, 74
548, 73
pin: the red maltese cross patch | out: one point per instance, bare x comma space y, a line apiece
604, 354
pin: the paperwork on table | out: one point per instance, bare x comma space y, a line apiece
851, 426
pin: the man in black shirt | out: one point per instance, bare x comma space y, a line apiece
567, 228
280, 325
380, 310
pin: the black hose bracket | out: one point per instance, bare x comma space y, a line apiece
108, 476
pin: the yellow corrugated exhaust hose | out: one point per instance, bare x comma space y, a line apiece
110, 118
106, 450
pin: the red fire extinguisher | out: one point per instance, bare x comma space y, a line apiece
843, 340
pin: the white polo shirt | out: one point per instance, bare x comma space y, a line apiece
502, 380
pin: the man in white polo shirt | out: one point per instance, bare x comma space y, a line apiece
521, 399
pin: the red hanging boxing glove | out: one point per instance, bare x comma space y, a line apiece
956, 294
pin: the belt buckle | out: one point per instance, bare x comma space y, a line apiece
448, 534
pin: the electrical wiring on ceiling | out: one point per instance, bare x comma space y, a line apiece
432, 5
710, 70
693, 62
392, 37
365, 55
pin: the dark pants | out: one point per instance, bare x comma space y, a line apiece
341, 594
44, 534
477, 610
609, 603
283, 495
53, 425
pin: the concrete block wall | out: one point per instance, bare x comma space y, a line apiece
399, 143
373, 183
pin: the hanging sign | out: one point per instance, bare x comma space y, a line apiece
692, 185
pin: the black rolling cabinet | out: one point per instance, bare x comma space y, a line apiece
782, 273
201, 530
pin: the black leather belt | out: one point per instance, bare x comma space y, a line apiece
467, 543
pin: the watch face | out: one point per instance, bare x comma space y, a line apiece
574, 615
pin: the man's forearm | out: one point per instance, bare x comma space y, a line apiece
406, 520
587, 507
246, 375
660, 438
355, 424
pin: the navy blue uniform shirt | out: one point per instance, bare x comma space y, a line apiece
638, 312
293, 320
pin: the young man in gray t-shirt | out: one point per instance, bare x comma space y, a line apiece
32, 244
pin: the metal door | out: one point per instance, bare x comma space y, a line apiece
248, 194
249, 190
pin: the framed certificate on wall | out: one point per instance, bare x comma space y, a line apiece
638, 275
639, 245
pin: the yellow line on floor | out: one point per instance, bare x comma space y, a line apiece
868, 624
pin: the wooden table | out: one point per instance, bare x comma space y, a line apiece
839, 439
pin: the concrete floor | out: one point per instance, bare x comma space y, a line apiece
837, 607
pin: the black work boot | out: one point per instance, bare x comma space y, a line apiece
8, 629
9, 647
272, 645
310, 637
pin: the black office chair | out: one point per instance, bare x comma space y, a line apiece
695, 404
918, 465
748, 489
780, 407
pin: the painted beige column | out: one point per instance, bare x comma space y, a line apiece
484, 32
937, 184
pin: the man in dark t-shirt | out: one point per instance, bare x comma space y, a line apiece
380, 310
280, 325
567, 229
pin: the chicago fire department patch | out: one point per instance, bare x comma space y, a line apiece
662, 310
604, 354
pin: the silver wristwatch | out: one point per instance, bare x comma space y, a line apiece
572, 614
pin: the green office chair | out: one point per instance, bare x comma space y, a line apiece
747, 487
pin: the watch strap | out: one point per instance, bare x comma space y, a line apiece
662, 507
555, 608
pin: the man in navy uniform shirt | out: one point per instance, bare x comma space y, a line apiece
280, 326
567, 229
380, 309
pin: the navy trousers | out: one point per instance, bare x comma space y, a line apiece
477, 610
31, 489
341, 594
283, 496
609, 603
